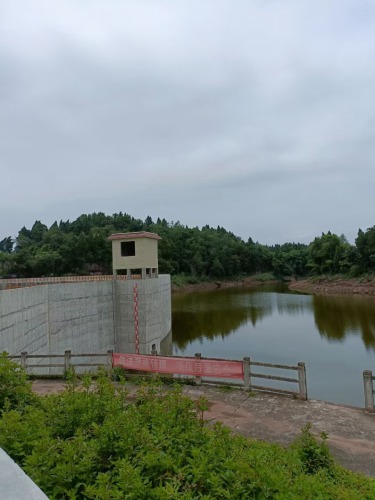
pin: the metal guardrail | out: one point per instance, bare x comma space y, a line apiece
368, 385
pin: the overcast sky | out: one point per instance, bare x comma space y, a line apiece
258, 115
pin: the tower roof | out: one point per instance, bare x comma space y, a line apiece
132, 236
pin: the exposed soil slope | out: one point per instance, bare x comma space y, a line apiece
338, 286
212, 285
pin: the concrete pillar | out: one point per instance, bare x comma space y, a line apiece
246, 374
302, 381
67, 357
109, 361
128, 274
198, 379
369, 391
143, 273
24, 360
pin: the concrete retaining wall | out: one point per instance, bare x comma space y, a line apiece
81, 317
24, 320
14, 484
154, 313
85, 317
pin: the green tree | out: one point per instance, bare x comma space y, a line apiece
6, 245
365, 244
328, 254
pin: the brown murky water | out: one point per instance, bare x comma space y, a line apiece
334, 336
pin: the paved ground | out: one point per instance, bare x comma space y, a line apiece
279, 419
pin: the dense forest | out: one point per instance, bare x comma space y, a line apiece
81, 247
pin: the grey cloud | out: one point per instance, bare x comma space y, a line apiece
257, 117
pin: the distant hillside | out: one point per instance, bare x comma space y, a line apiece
81, 247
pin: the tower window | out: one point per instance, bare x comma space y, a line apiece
127, 248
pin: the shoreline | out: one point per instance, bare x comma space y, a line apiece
314, 286
217, 285
334, 286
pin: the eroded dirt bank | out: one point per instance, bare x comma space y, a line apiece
325, 286
316, 286
214, 285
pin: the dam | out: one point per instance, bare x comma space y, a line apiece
128, 311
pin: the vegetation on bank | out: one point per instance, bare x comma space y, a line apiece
185, 281
81, 247
90, 442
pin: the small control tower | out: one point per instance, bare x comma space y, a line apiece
135, 254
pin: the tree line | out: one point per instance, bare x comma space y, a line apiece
81, 247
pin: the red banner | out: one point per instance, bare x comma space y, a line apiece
182, 366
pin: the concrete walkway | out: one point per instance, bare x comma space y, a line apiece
280, 419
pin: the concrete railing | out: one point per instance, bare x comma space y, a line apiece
204, 369
61, 361
27, 282
156, 364
249, 374
368, 385
300, 380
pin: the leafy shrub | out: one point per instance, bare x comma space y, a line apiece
264, 277
15, 390
91, 442
355, 271
313, 453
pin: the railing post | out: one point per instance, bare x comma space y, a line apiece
67, 357
369, 391
109, 361
246, 374
198, 379
24, 360
302, 381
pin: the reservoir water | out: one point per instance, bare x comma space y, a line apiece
334, 336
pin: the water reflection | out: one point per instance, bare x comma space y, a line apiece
335, 336
338, 317
215, 314
219, 313
292, 305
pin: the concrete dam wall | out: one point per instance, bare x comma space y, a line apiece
86, 317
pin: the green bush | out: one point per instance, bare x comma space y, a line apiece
15, 390
91, 442
264, 277
313, 453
